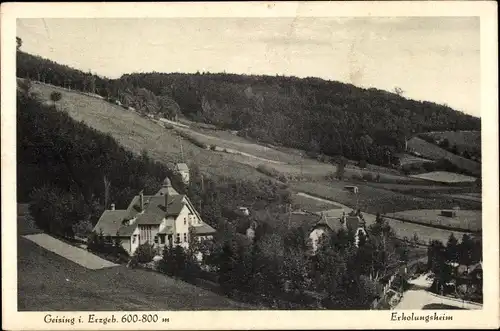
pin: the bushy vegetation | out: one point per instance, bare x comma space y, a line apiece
144, 253
462, 147
218, 198
322, 117
442, 257
195, 141
106, 247
439, 165
279, 265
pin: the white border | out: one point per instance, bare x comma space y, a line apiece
487, 10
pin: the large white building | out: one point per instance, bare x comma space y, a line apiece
160, 219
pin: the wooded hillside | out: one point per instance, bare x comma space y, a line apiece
322, 117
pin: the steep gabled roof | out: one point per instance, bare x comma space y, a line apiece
182, 167
110, 222
155, 211
164, 190
203, 229
354, 222
333, 224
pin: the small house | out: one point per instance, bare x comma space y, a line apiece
448, 213
323, 228
352, 189
332, 224
183, 170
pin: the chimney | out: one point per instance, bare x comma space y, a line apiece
141, 200
112, 206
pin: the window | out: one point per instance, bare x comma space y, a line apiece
134, 238
185, 221
156, 239
185, 237
178, 239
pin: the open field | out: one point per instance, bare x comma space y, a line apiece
430, 187
312, 205
377, 199
445, 177
49, 282
467, 196
468, 220
435, 152
137, 133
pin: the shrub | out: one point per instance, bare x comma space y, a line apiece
266, 170
55, 96
368, 176
193, 140
429, 166
82, 228
145, 253
213, 147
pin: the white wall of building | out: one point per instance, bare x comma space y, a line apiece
182, 227
315, 236
134, 240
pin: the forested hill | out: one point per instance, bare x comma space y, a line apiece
312, 114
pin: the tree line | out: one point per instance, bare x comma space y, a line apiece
320, 116
444, 261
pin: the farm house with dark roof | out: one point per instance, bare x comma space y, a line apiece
161, 219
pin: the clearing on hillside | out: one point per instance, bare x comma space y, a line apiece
469, 140
445, 177
435, 152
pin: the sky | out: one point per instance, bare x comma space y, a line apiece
429, 58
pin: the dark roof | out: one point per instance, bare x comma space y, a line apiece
203, 229
127, 230
333, 224
155, 211
354, 222
300, 218
110, 222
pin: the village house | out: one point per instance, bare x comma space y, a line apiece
161, 219
183, 170
328, 225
